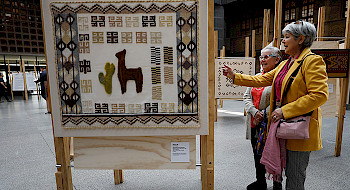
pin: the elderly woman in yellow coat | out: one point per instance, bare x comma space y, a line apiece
307, 93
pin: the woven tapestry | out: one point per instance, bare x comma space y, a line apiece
128, 64
337, 61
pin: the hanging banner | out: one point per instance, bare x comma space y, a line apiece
224, 88
127, 68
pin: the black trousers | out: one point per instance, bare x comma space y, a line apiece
3, 93
259, 168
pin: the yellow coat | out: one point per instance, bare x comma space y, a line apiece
303, 96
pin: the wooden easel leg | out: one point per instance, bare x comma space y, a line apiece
207, 141
121, 176
48, 106
266, 27
71, 148
118, 177
59, 180
63, 175
204, 172
207, 161
24, 81
344, 83
221, 103
277, 24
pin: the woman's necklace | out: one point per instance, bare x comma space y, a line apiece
259, 88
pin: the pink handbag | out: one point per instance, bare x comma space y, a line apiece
294, 128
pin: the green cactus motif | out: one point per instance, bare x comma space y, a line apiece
106, 80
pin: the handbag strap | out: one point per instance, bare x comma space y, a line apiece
291, 78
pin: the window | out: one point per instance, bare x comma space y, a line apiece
307, 12
255, 22
290, 12
299, 10
245, 26
258, 24
346, 8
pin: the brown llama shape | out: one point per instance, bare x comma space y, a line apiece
125, 74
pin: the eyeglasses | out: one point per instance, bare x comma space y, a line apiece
266, 57
299, 22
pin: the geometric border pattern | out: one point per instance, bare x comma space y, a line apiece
68, 62
187, 65
124, 8
117, 120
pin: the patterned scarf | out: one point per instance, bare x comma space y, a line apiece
260, 143
274, 154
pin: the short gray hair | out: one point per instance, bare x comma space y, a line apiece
304, 28
274, 51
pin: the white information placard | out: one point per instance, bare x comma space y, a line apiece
180, 152
17, 82
30, 78
223, 85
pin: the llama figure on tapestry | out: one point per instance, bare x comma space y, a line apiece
125, 74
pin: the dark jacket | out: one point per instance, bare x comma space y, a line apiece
42, 79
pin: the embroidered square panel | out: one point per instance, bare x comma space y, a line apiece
123, 65
224, 87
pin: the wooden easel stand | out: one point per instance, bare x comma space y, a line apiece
36, 76
216, 48
118, 177
344, 88
278, 21
266, 27
10, 78
23, 70
63, 174
207, 141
